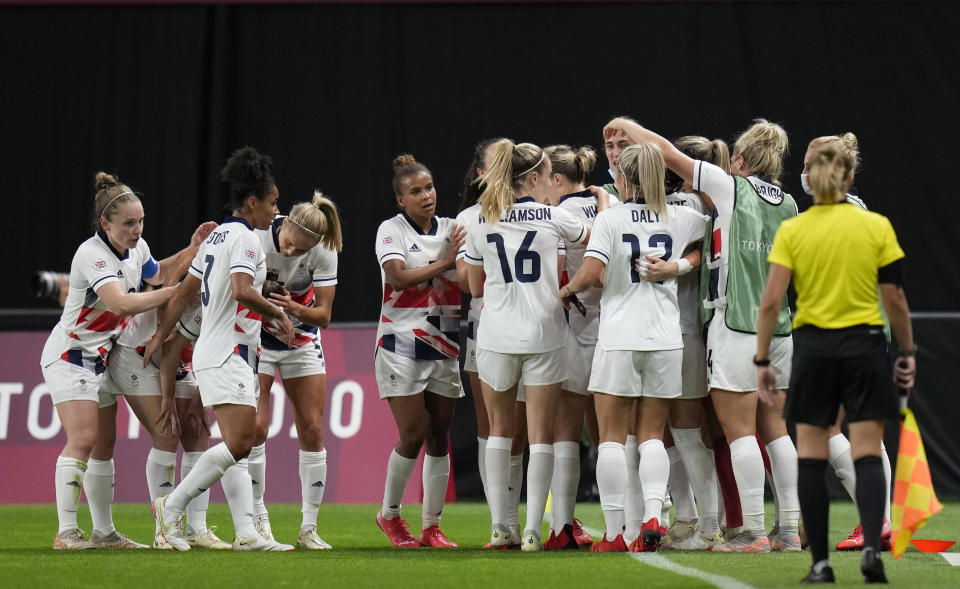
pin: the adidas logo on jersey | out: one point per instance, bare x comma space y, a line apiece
414, 248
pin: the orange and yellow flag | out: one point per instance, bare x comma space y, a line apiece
913, 498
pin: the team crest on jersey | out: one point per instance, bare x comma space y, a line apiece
414, 248
387, 240
100, 264
250, 254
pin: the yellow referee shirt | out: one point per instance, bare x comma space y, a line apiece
834, 252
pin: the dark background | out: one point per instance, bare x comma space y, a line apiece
160, 95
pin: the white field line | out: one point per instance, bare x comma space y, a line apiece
657, 560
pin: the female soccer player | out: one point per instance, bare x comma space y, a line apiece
230, 268
104, 277
303, 248
630, 362
841, 350
512, 253
417, 347
749, 206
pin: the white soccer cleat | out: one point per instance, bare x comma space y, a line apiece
310, 540
160, 543
698, 541
259, 544
172, 531
680, 531
531, 543
261, 523
72, 540
114, 540
499, 537
207, 539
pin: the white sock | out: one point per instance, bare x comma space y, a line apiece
436, 477
783, 463
633, 495
721, 511
399, 470
209, 469
68, 481
654, 473
161, 474
497, 465
748, 470
98, 487
482, 462
197, 507
563, 487
539, 475
239, 491
681, 491
842, 464
612, 484
702, 472
516, 485
313, 481
257, 465
887, 473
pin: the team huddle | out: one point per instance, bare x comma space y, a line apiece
630, 310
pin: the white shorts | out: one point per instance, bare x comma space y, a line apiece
628, 373
694, 373
470, 356
234, 382
502, 371
187, 386
399, 376
306, 360
579, 360
730, 357
130, 376
69, 382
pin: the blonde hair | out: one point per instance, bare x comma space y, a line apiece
830, 165
715, 152
109, 196
573, 165
318, 219
511, 166
850, 145
763, 147
643, 171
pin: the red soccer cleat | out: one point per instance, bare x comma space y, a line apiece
886, 536
562, 541
580, 535
396, 529
855, 540
433, 537
615, 545
649, 539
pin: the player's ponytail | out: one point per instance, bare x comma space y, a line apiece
831, 165
109, 195
318, 219
574, 165
643, 173
507, 175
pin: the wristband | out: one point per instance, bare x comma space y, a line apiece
683, 266
764, 362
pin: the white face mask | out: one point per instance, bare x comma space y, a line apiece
805, 184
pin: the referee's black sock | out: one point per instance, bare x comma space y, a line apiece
814, 504
871, 490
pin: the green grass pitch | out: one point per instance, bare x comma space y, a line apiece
362, 556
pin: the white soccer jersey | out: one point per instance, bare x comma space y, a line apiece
84, 334
582, 205
422, 321
639, 315
228, 326
522, 313
688, 285
299, 274
469, 218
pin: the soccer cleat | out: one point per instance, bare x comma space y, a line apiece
731, 533
310, 540
886, 536
562, 541
433, 537
172, 531
499, 537
746, 541
531, 542
397, 531
872, 567
160, 543
259, 544
615, 545
513, 542
698, 541
580, 535
114, 540
207, 539
784, 541
261, 523
649, 539
72, 540
824, 576
855, 540
679, 531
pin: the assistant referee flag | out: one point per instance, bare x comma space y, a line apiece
913, 498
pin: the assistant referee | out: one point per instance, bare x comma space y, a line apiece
837, 254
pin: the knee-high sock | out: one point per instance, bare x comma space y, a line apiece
887, 474
654, 474
612, 484
238, 489
870, 497
313, 481
783, 463
681, 490
633, 495
482, 462
209, 468
842, 464
566, 478
98, 486
497, 463
161, 472
399, 470
436, 476
68, 482
815, 505
516, 485
539, 475
257, 465
748, 468
197, 507
702, 474
733, 513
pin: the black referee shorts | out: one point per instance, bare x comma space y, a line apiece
833, 367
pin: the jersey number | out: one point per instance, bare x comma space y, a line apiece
525, 272
205, 295
657, 239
